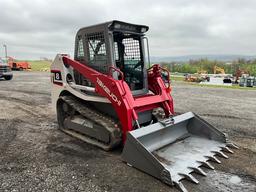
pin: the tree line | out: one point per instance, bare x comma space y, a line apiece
195, 66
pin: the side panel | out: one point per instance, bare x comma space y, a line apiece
59, 83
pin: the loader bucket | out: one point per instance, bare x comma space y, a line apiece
174, 148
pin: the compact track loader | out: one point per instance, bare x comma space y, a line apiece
107, 96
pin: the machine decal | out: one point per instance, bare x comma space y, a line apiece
106, 89
56, 77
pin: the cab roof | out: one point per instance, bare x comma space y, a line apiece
116, 25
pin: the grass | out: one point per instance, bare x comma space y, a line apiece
40, 65
236, 86
177, 78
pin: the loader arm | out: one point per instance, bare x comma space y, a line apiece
120, 95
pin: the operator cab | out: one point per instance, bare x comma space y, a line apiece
114, 44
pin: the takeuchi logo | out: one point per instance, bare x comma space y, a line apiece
106, 89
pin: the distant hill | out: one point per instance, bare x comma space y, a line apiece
185, 58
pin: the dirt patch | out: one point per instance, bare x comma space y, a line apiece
8, 133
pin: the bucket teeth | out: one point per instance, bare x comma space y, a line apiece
180, 186
221, 154
214, 159
190, 178
198, 170
226, 149
232, 145
206, 164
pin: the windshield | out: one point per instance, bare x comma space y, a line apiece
129, 58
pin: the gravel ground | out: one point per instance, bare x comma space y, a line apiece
35, 156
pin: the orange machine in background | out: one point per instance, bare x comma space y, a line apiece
218, 70
18, 65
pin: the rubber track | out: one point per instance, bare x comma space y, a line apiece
98, 118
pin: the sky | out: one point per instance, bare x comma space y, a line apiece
42, 28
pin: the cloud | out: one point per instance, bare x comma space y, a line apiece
42, 28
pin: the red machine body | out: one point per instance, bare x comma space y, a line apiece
119, 94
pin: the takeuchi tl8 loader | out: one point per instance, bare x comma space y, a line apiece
106, 96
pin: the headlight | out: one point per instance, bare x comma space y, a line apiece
117, 26
143, 29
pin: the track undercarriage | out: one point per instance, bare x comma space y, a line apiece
81, 121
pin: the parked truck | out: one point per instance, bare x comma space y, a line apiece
18, 65
247, 81
5, 70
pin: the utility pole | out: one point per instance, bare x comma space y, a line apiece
5, 49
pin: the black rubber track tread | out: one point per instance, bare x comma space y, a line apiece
107, 122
